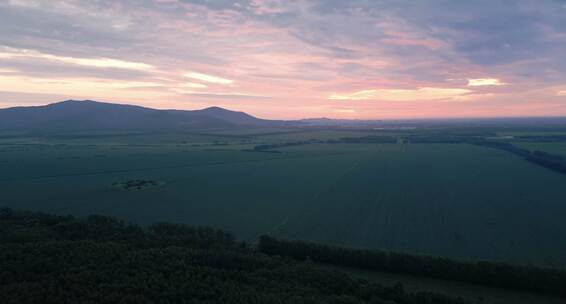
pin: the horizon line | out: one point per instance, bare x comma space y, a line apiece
295, 119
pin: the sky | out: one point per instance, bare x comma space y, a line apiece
356, 59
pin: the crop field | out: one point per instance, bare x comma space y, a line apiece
452, 200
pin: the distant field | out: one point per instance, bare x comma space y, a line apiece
453, 200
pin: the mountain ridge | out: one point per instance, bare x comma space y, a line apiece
83, 115
90, 114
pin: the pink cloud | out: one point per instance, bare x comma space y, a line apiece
287, 57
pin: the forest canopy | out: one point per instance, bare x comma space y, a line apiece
62, 259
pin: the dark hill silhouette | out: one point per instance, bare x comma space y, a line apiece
88, 114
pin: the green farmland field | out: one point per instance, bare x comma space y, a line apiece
453, 200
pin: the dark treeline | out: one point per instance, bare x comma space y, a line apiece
550, 161
418, 137
266, 147
447, 136
385, 139
550, 281
60, 259
370, 139
440, 138
544, 159
541, 138
500, 145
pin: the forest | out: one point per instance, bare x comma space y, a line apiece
61, 259
542, 280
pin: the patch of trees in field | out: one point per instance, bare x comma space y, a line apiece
60, 259
542, 280
136, 185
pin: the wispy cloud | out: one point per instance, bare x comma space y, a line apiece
403, 94
76, 86
24, 3
91, 62
346, 111
193, 85
485, 82
208, 78
227, 95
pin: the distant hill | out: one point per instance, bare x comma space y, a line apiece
93, 115
88, 114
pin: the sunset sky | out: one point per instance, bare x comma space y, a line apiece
290, 59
